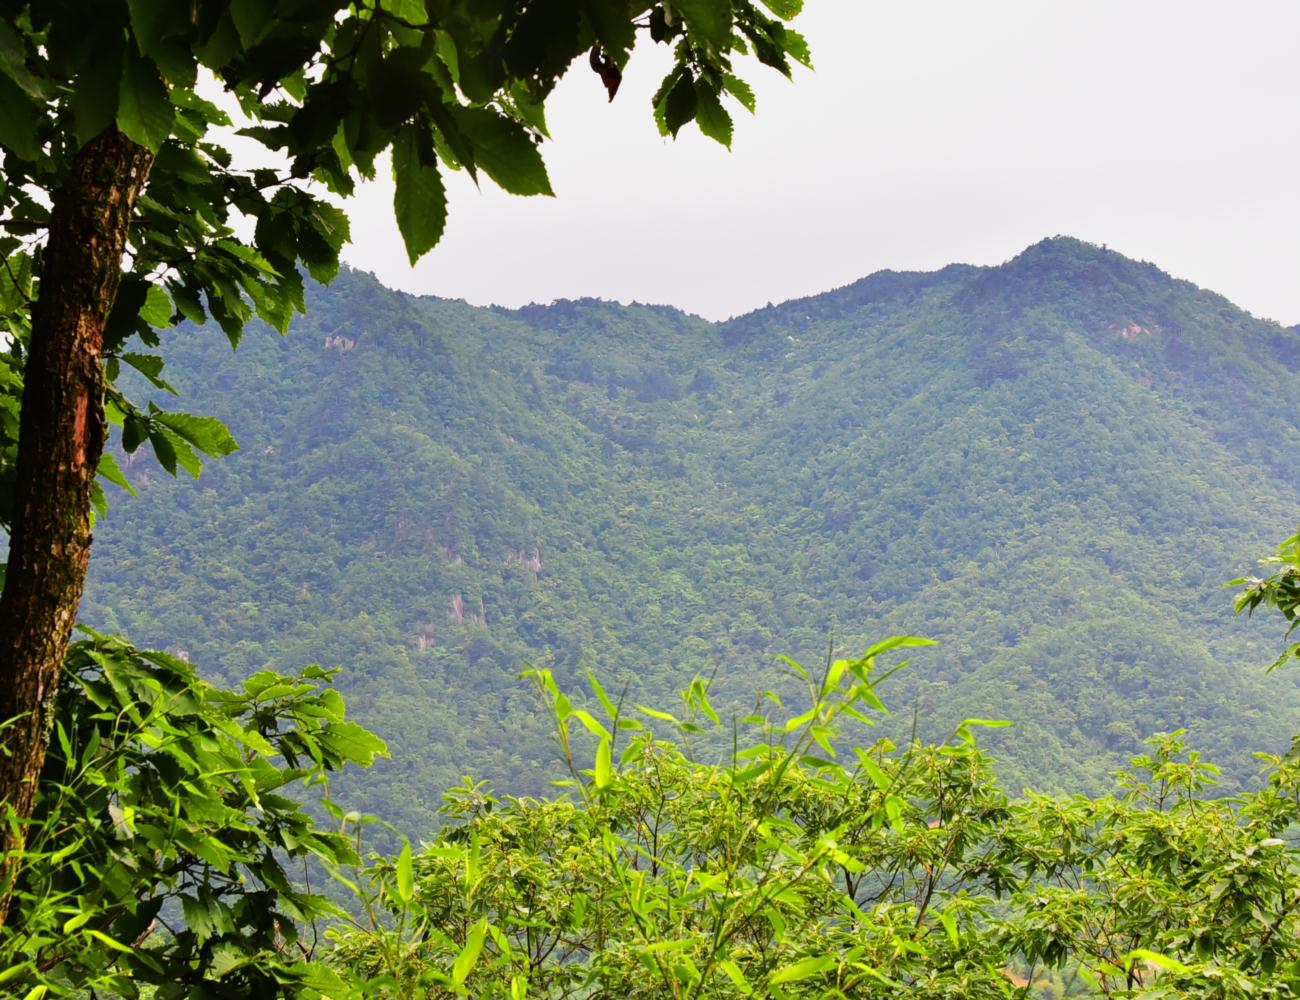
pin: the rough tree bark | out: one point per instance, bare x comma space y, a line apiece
61, 437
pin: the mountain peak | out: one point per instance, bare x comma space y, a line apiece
1087, 283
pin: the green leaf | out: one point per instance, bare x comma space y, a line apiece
963, 731
803, 969
654, 713
420, 202
950, 925
103, 938
504, 151
110, 470
1154, 958
896, 642
199, 917
740, 90
732, 971
208, 434
680, 105
95, 91
711, 116
353, 742
227, 956
707, 21
163, 449
20, 121
464, 963
784, 9
593, 727
603, 698
13, 64
603, 766
144, 109
405, 874
614, 27
250, 738
407, 10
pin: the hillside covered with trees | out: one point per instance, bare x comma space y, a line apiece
1050, 466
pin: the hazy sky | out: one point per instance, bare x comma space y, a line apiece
931, 131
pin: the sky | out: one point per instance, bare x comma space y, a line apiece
930, 131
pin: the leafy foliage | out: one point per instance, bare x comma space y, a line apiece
792, 868
789, 866
1280, 590
169, 816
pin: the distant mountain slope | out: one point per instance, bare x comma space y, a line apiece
1050, 465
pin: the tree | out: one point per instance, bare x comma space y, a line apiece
120, 211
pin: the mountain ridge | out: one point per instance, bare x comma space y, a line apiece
435, 494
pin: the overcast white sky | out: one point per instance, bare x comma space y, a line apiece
931, 131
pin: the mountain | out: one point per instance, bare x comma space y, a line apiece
1050, 466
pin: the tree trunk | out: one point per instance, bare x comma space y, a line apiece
61, 436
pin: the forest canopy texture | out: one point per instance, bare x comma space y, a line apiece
588, 490
436, 495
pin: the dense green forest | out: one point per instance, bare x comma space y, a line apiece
1050, 466
566, 549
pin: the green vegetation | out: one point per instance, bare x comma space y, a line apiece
1048, 464
803, 862
123, 211
157, 852
542, 483
985, 456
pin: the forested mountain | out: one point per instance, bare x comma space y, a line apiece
1050, 466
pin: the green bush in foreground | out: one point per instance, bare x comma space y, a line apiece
794, 869
784, 866
166, 823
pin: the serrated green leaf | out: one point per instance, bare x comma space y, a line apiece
680, 104
420, 201
740, 90
13, 64
162, 447
504, 151
248, 737
226, 957
353, 742
208, 434
198, 917
98, 502
144, 109
110, 470
707, 21
157, 309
